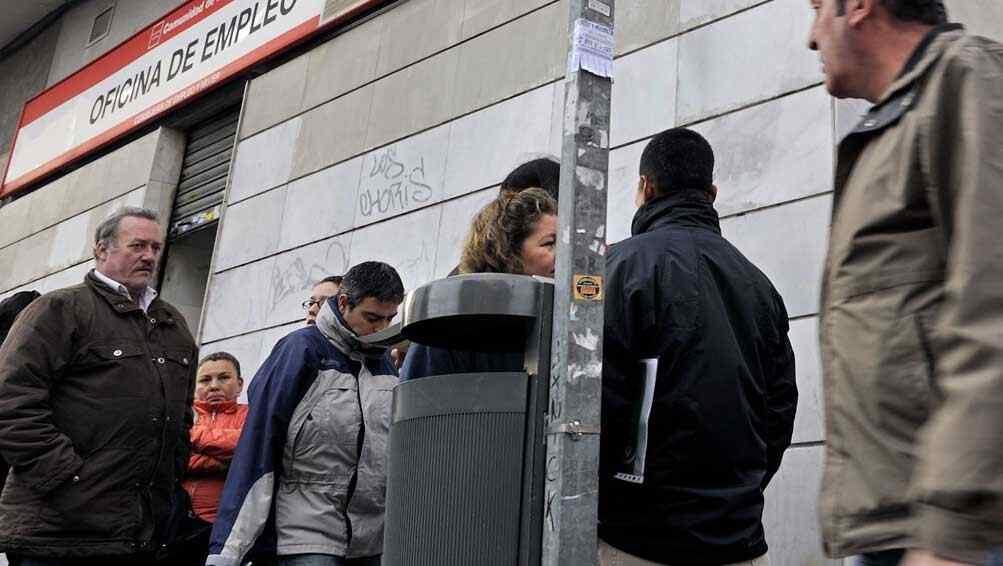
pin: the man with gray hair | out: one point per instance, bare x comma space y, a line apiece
912, 301
96, 386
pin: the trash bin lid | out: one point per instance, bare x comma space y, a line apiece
478, 311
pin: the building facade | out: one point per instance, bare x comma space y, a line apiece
380, 138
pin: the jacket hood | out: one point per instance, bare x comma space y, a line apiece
334, 328
685, 208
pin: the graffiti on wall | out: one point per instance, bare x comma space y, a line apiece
392, 186
291, 282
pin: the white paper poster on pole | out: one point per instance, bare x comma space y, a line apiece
591, 49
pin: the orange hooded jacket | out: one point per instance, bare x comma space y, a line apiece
214, 440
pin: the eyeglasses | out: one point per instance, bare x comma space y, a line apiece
309, 303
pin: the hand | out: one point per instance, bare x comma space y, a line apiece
397, 357
926, 558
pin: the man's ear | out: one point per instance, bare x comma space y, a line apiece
645, 190
342, 303
100, 251
650, 192
857, 11
713, 193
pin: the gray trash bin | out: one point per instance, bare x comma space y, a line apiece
466, 455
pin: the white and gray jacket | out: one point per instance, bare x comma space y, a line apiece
309, 473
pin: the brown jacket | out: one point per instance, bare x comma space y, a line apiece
912, 312
95, 408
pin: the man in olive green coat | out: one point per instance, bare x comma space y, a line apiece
912, 300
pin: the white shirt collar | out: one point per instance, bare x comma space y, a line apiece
144, 302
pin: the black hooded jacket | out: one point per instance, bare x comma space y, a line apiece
682, 476
9, 309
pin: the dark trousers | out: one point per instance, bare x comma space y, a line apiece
127, 560
881, 558
326, 560
191, 545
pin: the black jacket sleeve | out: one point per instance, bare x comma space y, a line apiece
781, 394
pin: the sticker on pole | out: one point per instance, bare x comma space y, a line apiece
588, 288
591, 49
600, 7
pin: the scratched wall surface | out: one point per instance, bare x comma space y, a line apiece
383, 142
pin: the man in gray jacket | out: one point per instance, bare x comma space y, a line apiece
912, 301
308, 479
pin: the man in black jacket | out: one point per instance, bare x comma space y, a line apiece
9, 309
699, 392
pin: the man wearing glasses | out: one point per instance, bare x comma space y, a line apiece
322, 291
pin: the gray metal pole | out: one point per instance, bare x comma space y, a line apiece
571, 494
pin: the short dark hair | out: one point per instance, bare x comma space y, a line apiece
336, 279
372, 279
929, 12
222, 357
543, 173
11, 307
678, 160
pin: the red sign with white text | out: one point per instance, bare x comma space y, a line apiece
192, 49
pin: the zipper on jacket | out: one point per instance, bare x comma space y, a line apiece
350, 491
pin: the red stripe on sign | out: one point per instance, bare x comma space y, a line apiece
114, 60
144, 117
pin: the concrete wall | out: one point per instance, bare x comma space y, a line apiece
48, 234
23, 74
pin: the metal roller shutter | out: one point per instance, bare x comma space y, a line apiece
204, 173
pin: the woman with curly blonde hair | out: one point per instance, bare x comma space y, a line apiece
516, 233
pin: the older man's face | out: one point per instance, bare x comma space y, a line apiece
321, 293
133, 258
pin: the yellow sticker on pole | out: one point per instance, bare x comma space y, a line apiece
588, 288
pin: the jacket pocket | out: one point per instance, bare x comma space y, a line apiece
325, 443
99, 499
181, 359
904, 388
108, 354
110, 370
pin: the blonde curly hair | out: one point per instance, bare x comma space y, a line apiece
494, 242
